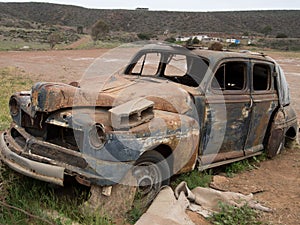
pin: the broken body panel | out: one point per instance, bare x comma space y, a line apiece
219, 108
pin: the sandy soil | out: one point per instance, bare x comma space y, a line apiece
58, 66
276, 182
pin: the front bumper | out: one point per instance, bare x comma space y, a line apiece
37, 170
49, 162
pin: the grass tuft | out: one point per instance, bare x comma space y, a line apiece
231, 215
193, 179
29, 201
244, 165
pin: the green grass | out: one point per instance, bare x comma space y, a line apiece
11, 80
29, 201
231, 215
135, 213
193, 179
244, 165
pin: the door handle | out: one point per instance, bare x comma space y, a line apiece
250, 105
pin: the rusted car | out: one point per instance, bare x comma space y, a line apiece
171, 109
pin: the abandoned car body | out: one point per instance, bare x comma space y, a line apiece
169, 109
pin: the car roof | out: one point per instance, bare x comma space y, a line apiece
219, 55
208, 54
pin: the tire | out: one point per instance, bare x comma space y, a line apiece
276, 136
275, 143
151, 172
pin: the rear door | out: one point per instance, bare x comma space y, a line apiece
265, 101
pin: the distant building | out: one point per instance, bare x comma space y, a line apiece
199, 37
233, 41
142, 9
217, 39
182, 38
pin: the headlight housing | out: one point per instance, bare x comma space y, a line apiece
14, 106
97, 136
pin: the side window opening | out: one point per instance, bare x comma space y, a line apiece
261, 77
147, 65
185, 69
230, 76
176, 66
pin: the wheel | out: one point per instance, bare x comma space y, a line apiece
151, 172
276, 136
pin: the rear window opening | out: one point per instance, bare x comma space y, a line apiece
261, 77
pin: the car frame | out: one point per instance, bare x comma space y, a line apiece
219, 108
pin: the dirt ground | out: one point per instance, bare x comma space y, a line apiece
53, 66
276, 182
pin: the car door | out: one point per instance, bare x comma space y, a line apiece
228, 112
265, 101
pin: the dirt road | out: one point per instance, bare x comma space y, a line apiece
277, 181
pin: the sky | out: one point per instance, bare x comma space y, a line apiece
180, 5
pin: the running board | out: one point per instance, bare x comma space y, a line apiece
217, 164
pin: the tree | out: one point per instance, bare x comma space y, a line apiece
144, 36
99, 29
80, 29
196, 41
189, 42
266, 30
54, 38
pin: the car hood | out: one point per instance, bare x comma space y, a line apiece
110, 92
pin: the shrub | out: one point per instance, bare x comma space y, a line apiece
171, 40
216, 46
281, 35
196, 41
99, 29
231, 215
144, 36
54, 39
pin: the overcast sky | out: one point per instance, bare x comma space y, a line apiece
179, 5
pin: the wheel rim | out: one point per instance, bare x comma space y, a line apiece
149, 177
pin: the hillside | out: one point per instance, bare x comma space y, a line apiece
156, 22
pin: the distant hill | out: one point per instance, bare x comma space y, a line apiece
156, 22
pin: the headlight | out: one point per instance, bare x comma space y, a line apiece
14, 106
97, 136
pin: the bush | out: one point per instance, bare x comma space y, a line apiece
171, 40
99, 29
54, 38
281, 35
216, 46
196, 41
144, 36
80, 29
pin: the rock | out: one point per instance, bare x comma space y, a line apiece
113, 202
219, 183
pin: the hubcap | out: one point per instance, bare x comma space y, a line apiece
149, 179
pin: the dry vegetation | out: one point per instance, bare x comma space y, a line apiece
156, 22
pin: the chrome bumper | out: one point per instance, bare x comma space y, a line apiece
37, 170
